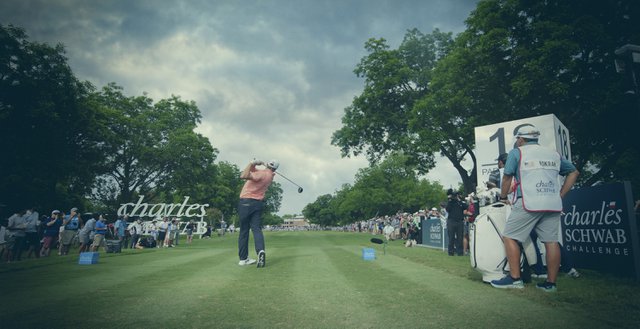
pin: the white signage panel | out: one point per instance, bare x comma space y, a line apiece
493, 140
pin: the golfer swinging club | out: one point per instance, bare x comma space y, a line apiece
250, 209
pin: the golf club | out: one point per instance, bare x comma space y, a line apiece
299, 187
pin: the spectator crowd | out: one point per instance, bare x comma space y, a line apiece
27, 234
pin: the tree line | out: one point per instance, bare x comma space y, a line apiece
516, 59
385, 188
70, 144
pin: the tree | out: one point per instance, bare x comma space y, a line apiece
382, 189
377, 122
516, 59
272, 202
49, 127
319, 212
152, 150
226, 188
521, 58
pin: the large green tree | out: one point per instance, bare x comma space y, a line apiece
516, 59
377, 121
226, 188
152, 149
521, 58
49, 127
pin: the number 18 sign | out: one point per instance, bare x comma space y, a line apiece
495, 139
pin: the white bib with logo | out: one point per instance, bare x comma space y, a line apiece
539, 168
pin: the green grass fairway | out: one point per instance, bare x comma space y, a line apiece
312, 280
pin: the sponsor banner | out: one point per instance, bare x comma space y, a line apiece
599, 229
434, 234
157, 210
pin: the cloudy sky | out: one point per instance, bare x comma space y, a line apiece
271, 78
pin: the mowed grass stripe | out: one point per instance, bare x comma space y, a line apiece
330, 299
113, 279
454, 301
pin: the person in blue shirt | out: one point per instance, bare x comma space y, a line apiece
536, 203
72, 224
101, 231
120, 227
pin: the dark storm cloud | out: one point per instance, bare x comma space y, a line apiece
271, 78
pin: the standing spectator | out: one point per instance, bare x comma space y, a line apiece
444, 215
168, 240
176, 232
455, 223
250, 209
120, 228
86, 233
17, 226
72, 224
223, 226
403, 227
189, 229
135, 230
417, 221
32, 241
495, 177
5, 240
162, 232
470, 217
51, 232
101, 231
534, 208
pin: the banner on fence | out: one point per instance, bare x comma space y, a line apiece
599, 229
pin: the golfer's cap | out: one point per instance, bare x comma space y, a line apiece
502, 157
55, 212
528, 132
74, 209
434, 208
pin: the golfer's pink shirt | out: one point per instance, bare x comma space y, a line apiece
257, 184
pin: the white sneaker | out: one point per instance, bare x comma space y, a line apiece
573, 273
539, 276
247, 261
262, 258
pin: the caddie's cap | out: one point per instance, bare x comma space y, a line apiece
528, 132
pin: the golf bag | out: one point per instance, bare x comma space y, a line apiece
487, 249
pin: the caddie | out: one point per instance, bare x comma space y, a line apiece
536, 203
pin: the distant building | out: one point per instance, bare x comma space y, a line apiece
296, 222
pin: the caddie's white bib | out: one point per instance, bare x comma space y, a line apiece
539, 168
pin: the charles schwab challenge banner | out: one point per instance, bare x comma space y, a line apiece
599, 229
434, 235
154, 210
